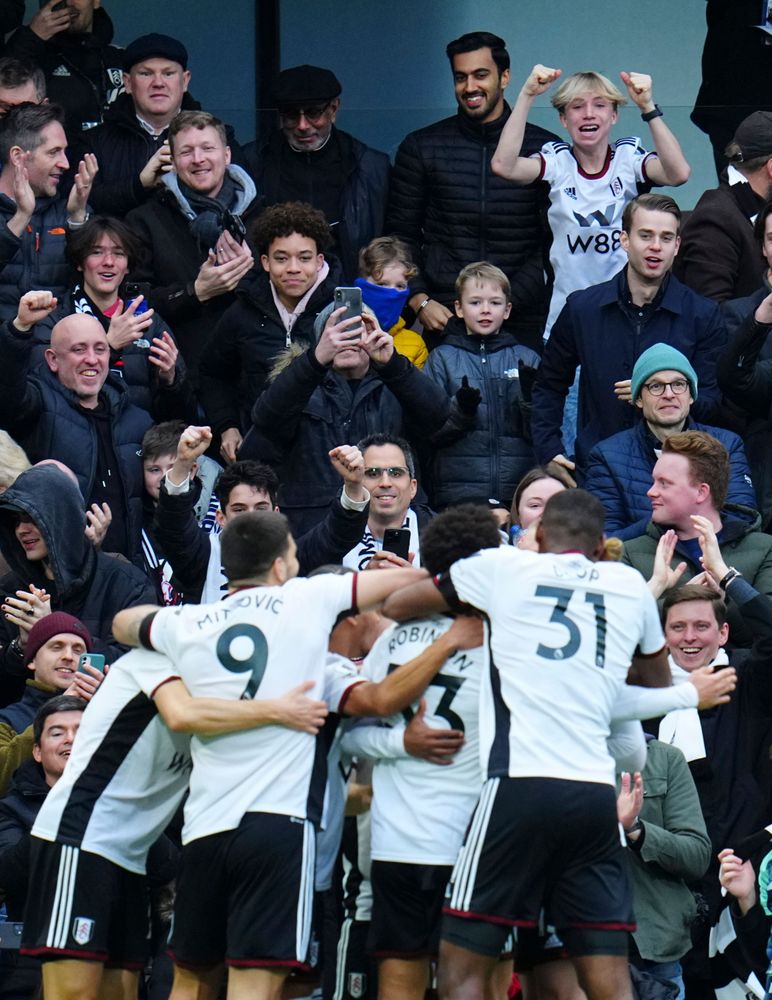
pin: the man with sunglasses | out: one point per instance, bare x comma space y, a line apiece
309, 159
663, 387
390, 478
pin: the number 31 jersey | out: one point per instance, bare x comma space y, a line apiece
257, 643
563, 633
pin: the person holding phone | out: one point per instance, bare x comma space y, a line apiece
55, 645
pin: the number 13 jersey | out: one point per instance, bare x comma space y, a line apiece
563, 634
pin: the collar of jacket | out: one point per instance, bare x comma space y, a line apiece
616, 292
483, 132
732, 527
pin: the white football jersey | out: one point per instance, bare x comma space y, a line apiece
585, 215
258, 643
420, 810
127, 772
563, 634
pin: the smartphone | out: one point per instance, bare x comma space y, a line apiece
133, 291
235, 226
397, 540
351, 298
95, 660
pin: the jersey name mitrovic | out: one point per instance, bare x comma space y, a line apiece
563, 634
257, 643
420, 811
127, 772
585, 215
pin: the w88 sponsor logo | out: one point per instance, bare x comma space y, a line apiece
597, 242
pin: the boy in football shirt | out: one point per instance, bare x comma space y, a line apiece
564, 630
590, 180
254, 803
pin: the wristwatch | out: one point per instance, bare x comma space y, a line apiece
656, 112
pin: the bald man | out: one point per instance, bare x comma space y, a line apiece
71, 408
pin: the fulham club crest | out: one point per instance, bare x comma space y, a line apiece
83, 930
357, 982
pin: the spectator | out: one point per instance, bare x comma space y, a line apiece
72, 409
607, 327
159, 453
309, 159
590, 181
663, 387
690, 479
485, 447
72, 46
532, 493
719, 256
385, 269
352, 383
53, 649
21, 82
143, 353
54, 567
275, 307
11, 16
745, 367
390, 475
188, 253
246, 486
35, 218
55, 727
132, 143
449, 207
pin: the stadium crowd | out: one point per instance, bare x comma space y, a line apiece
237, 383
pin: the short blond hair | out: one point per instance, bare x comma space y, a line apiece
580, 83
480, 272
382, 251
13, 461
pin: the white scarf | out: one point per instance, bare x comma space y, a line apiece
358, 557
682, 728
288, 318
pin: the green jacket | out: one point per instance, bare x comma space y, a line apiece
674, 849
742, 545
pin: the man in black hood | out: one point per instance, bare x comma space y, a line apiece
73, 47
54, 567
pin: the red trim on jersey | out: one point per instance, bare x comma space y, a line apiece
542, 167
354, 605
646, 159
267, 963
650, 656
505, 921
347, 692
601, 172
173, 677
87, 956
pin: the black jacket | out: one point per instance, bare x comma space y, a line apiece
487, 453
308, 410
123, 147
188, 548
130, 365
446, 202
18, 811
170, 262
245, 343
362, 207
88, 584
84, 73
49, 422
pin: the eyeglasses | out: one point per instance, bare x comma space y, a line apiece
315, 115
392, 471
678, 386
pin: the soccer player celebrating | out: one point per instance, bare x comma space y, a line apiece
564, 630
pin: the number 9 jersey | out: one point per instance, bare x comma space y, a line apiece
564, 631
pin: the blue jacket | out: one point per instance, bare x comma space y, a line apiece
599, 330
487, 453
619, 474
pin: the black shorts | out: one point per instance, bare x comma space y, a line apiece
82, 906
538, 844
246, 896
407, 909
